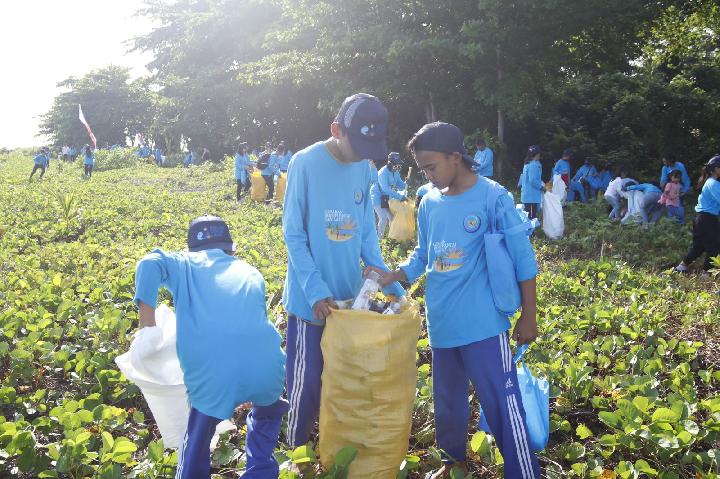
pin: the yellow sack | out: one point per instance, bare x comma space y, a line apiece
280, 188
402, 226
368, 388
259, 187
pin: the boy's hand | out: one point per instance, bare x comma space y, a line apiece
368, 269
392, 277
525, 330
147, 315
321, 309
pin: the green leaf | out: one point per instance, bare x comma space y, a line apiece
583, 432
642, 466
664, 414
345, 456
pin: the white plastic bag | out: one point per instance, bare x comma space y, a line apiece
553, 221
559, 188
635, 198
152, 364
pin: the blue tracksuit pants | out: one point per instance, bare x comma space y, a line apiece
303, 369
576, 188
488, 365
263, 429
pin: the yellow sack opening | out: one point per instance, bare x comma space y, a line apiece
368, 388
402, 226
280, 187
259, 187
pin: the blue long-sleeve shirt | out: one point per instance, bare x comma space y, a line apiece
273, 167
531, 184
242, 162
709, 199
374, 188
601, 181
285, 161
424, 189
40, 160
562, 167
390, 183
228, 350
585, 172
645, 188
89, 159
329, 227
484, 160
451, 251
684, 177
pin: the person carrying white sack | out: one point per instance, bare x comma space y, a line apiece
229, 352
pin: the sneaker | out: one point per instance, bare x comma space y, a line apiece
681, 268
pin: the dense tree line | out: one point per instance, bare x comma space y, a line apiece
618, 80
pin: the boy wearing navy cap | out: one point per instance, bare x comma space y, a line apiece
389, 185
483, 158
469, 337
329, 228
229, 352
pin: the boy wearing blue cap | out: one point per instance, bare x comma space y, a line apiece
390, 185
329, 228
531, 184
229, 352
469, 337
483, 158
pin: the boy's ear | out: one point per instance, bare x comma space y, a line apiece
335, 130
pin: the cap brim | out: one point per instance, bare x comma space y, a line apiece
223, 245
368, 150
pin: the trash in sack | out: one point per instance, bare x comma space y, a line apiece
258, 191
402, 226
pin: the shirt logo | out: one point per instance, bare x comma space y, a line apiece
471, 223
339, 226
448, 257
509, 384
359, 197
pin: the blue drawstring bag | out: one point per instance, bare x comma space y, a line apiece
535, 394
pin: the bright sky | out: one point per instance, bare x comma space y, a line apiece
43, 42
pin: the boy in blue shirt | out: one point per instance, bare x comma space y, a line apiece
88, 160
284, 156
390, 185
706, 228
531, 184
189, 158
243, 170
329, 228
229, 352
650, 209
670, 164
269, 165
580, 183
41, 163
562, 166
484, 159
422, 191
469, 337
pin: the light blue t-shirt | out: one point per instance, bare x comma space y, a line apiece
241, 162
273, 166
40, 159
424, 189
709, 199
285, 161
531, 184
451, 251
229, 352
601, 181
645, 188
329, 227
390, 183
562, 167
484, 160
89, 159
684, 178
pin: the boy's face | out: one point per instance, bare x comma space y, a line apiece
439, 168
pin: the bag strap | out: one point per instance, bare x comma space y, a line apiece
494, 192
520, 353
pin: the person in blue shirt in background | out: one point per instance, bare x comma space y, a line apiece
601, 180
669, 165
189, 158
531, 184
706, 228
329, 228
157, 153
243, 170
88, 160
468, 335
229, 352
483, 158
284, 156
41, 163
562, 166
269, 170
650, 209
422, 191
390, 185
580, 183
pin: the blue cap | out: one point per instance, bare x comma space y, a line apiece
442, 137
534, 150
394, 158
364, 119
713, 162
209, 232
568, 152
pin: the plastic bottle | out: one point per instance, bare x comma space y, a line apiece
369, 289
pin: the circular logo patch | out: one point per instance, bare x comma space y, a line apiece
471, 223
358, 197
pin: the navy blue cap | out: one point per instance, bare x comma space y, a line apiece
568, 152
713, 162
442, 137
364, 119
534, 150
394, 158
209, 232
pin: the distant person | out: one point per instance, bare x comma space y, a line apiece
390, 185
670, 198
88, 160
205, 157
66, 153
580, 183
706, 228
189, 158
243, 170
669, 165
422, 191
229, 352
613, 197
269, 165
40, 163
284, 156
562, 166
600, 181
484, 159
650, 208
158, 156
531, 184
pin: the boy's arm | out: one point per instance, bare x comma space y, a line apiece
152, 272
296, 237
526, 330
386, 188
537, 178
